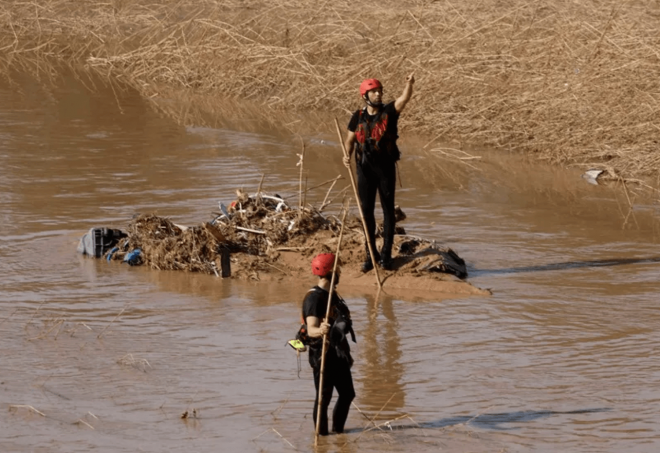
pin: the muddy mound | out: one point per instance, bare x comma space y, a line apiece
260, 237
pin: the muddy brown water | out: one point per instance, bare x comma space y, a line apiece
562, 357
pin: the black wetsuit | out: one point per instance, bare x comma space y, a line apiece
338, 360
376, 156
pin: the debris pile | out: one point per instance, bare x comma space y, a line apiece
253, 226
166, 246
260, 236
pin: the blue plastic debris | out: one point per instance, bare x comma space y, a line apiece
133, 258
111, 252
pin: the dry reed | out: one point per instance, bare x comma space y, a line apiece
129, 361
111, 322
284, 439
570, 82
15, 407
80, 421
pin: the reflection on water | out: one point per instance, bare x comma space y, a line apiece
100, 356
382, 371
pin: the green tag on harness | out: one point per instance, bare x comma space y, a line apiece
297, 345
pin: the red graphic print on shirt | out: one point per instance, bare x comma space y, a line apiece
377, 131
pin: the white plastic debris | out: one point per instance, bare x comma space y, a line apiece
591, 176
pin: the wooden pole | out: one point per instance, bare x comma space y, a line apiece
357, 197
301, 162
327, 315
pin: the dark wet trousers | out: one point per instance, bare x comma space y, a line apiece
381, 178
337, 375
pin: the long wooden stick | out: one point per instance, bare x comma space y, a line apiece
327, 315
357, 197
301, 162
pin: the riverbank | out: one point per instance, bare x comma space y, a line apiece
573, 84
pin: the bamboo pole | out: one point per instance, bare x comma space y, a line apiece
357, 197
327, 315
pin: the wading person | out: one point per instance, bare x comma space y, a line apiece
338, 360
372, 134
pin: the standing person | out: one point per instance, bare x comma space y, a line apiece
338, 360
373, 131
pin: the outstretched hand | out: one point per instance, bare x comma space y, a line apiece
411, 78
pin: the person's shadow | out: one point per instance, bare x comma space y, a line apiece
496, 421
565, 265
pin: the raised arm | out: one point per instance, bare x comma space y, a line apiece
402, 100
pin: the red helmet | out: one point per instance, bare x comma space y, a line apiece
322, 264
369, 84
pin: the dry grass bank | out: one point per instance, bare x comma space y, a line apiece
572, 81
